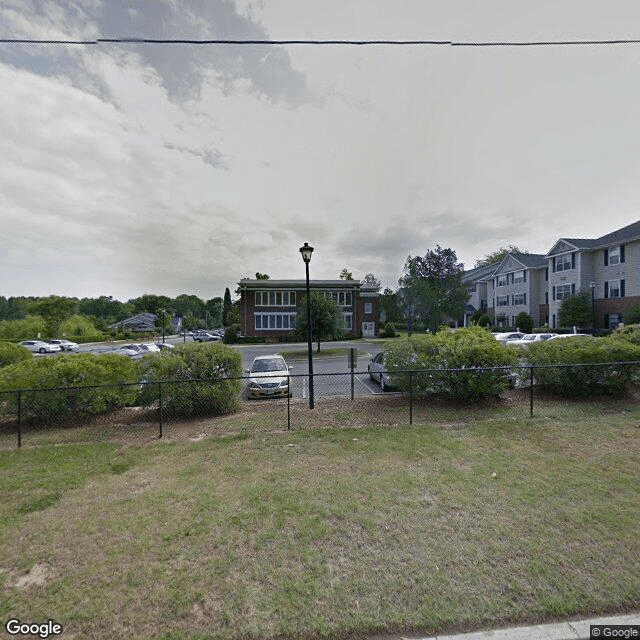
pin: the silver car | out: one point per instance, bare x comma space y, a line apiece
65, 345
378, 371
40, 346
269, 377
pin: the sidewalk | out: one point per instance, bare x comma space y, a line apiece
575, 630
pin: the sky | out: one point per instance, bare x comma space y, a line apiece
131, 168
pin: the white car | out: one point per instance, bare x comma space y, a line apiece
571, 335
143, 348
40, 346
531, 338
508, 336
65, 345
269, 377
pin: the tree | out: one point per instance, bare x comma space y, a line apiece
226, 307
150, 303
498, 255
524, 322
261, 276
576, 311
632, 315
432, 287
214, 308
389, 305
327, 321
370, 280
54, 309
346, 275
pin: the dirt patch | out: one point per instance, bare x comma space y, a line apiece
39, 575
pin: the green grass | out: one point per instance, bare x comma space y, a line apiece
326, 533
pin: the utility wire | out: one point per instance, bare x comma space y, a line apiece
402, 43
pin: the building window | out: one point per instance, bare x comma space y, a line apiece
275, 298
277, 321
612, 320
368, 307
502, 301
341, 298
563, 291
472, 288
614, 289
615, 255
518, 277
348, 321
565, 262
519, 299
501, 280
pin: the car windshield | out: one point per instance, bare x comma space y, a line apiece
271, 364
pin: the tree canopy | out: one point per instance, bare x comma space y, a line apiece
498, 255
576, 311
327, 321
432, 289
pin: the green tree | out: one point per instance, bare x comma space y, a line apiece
433, 287
370, 280
214, 308
576, 311
327, 321
150, 303
346, 275
54, 309
226, 307
524, 322
498, 255
261, 276
27, 328
78, 325
632, 315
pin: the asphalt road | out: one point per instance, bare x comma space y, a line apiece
332, 376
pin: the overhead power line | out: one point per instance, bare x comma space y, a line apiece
402, 43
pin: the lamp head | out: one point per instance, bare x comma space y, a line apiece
306, 252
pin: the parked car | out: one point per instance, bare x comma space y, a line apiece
124, 351
65, 345
205, 336
143, 348
40, 346
571, 335
508, 336
164, 345
531, 338
378, 371
269, 377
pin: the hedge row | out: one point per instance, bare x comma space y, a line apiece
84, 384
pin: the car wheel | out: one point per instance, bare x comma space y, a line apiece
41, 350
383, 386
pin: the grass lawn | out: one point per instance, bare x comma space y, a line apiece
325, 533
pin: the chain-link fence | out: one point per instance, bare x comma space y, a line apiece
193, 409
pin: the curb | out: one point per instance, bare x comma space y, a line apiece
572, 630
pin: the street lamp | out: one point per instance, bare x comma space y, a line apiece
306, 252
164, 311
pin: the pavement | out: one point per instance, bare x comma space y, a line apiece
570, 630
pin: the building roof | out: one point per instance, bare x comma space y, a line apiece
248, 283
626, 234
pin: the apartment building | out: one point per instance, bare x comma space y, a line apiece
608, 267
268, 308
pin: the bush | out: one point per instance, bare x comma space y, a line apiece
11, 353
389, 330
595, 376
454, 364
630, 333
484, 320
632, 315
198, 379
231, 334
56, 387
524, 322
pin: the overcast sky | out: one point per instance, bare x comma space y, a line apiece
128, 169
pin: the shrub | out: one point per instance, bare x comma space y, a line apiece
524, 322
57, 387
198, 379
231, 334
593, 374
484, 320
632, 315
461, 364
389, 330
630, 333
11, 353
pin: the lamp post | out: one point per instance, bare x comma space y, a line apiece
164, 311
306, 252
592, 286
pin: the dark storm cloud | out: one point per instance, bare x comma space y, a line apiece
183, 69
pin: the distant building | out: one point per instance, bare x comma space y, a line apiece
268, 308
608, 267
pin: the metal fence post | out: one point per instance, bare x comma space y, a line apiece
410, 397
160, 408
19, 419
531, 393
289, 407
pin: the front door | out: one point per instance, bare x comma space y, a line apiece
368, 329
